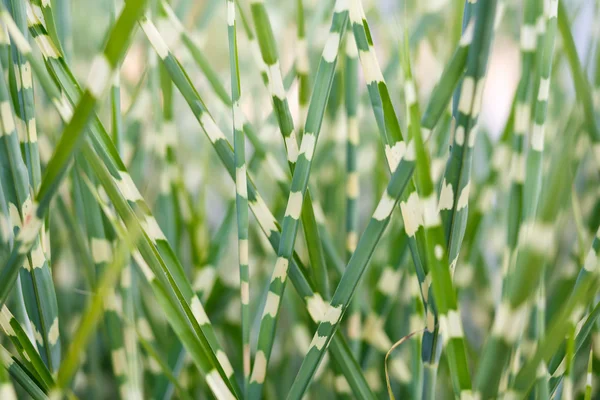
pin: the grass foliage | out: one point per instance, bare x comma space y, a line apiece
435, 248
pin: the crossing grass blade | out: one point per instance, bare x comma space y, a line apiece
317, 239
56, 169
35, 278
301, 172
267, 58
32, 359
450, 324
362, 383
534, 250
128, 12
122, 191
352, 274
313, 300
17, 188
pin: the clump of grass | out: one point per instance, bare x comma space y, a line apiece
435, 259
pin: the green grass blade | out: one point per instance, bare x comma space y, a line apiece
56, 169
40, 298
21, 376
303, 163
241, 197
455, 186
122, 189
450, 324
258, 206
270, 56
354, 270
582, 86
93, 314
521, 132
564, 321
13, 330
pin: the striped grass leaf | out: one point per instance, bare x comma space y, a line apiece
352, 143
31, 358
268, 63
353, 273
522, 334
533, 177
313, 237
492, 185
122, 190
357, 382
40, 298
47, 13
190, 328
351, 96
241, 197
521, 132
381, 102
274, 82
536, 244
442, 93
564, 321
56, 169
393, 144
20, 375
270, 56
454, 191
450, 324
265, 219
21, 83
127, 17
546, 35
301, 172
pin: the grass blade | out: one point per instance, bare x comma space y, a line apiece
241, 184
